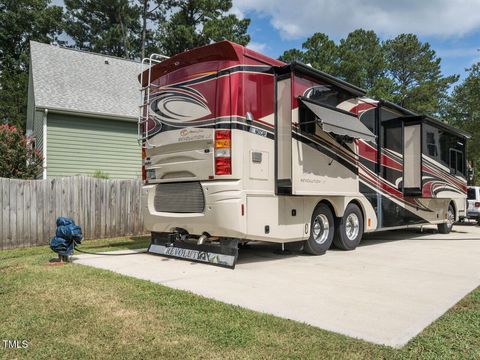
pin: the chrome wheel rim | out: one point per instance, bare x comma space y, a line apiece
352, 226
450, 218
321, 229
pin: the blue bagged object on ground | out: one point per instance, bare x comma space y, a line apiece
61, 246
64, 221
70, 232
66, 236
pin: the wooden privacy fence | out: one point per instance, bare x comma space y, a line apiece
103, 208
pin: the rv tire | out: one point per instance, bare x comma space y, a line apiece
349, 229
445, 228
322, 228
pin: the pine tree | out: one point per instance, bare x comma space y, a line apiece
20, 22
361, 59
110, 27
200, 22
414, 68
463, 110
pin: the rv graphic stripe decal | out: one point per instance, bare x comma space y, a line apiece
182, 105
260, 69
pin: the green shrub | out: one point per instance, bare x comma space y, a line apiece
99, 174
18, 160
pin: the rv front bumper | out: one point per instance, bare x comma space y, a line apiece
223, 212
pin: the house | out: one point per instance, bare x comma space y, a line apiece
82, 112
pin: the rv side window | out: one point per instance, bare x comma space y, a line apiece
307, 120
327, 94
392, 138
453, 160
368, 119
444, 147
457, 162
431, 144
460, 163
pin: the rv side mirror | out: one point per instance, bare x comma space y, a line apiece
249, 117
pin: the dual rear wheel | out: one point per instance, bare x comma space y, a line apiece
446, 227
344, 233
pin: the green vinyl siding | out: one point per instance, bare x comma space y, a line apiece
78, 145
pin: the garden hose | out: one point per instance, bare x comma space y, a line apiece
93, 253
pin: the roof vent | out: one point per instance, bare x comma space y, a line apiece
106, 61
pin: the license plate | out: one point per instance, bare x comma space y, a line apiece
194, 255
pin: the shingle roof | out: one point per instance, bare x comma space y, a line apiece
72, 80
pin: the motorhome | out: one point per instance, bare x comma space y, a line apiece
238, 146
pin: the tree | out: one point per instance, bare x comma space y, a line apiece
361, 60
200, 22
418, 83
318, 51
321, 52
110, 27
152, 11
18, 160
20, 22
463, 110
292, 55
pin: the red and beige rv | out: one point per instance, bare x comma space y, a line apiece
238, 147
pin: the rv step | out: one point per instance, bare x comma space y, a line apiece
224, 254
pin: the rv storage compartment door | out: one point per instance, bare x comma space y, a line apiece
412, 159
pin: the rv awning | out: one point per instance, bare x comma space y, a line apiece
338, 121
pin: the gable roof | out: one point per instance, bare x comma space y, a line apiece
78, 81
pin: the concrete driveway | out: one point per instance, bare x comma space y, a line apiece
386, 291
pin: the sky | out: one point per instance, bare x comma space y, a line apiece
452, 27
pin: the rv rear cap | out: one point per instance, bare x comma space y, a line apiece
223, 50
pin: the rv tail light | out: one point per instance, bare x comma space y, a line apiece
477, 204
223, 135
223, 155
223, 166
144, 172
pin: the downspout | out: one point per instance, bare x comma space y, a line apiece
44, 164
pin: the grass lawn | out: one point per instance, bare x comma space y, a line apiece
79, 312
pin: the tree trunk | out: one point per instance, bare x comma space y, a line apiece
144, 27
124, 38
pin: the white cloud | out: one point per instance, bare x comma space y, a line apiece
386, 17
237, 12
256, 46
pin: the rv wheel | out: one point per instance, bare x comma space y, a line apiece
349, 229
445, 228
321, 231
